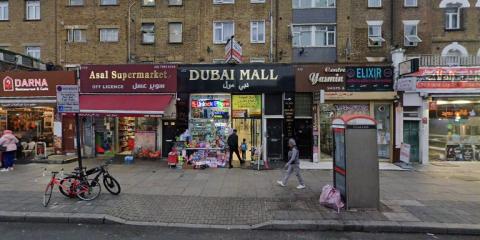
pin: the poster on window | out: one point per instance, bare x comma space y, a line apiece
145, 140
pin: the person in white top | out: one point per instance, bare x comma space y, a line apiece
9, 143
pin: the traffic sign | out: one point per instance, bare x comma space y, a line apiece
68, 99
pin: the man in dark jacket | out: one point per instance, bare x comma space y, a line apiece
232, 142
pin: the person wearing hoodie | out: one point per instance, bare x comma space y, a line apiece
9, 142
293, 165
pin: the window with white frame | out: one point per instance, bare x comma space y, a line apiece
298, 4
76, 2
148, 33
410, 3
374, 3
223, 1
3, 10
375, 38
108, 2
175, 2
175, 32
257, 32
452, 18
222, 31
257, 1
76, 35
32, 10
109, 35
410, 31
148, 2
313, 35
257, 60
33, 51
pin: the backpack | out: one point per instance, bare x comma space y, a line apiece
331, 198
244, 147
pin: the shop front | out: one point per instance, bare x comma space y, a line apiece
128, 110
226, 97
447, 101
366, 90
28, 108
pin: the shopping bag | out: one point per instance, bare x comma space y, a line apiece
330, 197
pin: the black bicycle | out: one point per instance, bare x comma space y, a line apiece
110, 183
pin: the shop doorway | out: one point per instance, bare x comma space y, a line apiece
410, 136
274, 139
303, 137
68, 133
249, 129
168, 136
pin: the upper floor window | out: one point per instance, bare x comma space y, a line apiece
223, 1
410, 31
109, 35
3, 10
375, 38
257, 60
76, 35
148, 33
222, 31
374, 3
33, 51
175, 32
257, 32
33, 10
148, 2
175, 2
257, 1
76, 2
108, 2
218, 61
410, 3
313, 4
314, 35
452, 18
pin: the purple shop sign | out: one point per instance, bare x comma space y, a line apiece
128, 78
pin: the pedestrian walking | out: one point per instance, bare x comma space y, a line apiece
8, 143
244, 148
232, 142
292, 166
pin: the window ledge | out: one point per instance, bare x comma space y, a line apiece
315, 47
5, 20
109, 5
454, 30
74, 6
257, 42
148, 43
148, 6
175, 42
32, 20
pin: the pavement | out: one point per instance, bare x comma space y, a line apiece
440, 198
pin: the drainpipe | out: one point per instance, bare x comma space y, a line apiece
271, 31
392, 23
131, 4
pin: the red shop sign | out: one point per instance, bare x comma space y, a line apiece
447, 84
128, 78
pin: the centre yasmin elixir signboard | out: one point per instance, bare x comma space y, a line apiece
369, 78
128, 78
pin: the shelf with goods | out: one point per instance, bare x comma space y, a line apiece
126, 133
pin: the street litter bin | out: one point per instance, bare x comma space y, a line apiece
355, 161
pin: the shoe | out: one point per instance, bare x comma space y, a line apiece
301, 186
281, 183
230, 166
4, 170
10, 169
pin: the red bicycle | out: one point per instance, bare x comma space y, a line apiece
84, 189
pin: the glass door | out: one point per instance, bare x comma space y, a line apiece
382, 115
250, 130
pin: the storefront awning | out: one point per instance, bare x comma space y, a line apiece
124, 105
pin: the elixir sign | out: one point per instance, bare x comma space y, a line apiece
369, 78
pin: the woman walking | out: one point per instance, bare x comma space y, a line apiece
293, 165
9, 142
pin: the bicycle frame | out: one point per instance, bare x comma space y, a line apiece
56, 181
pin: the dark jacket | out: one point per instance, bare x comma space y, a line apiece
232, 141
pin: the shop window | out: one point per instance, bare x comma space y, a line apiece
148, 33
382, 116
257, 32
222, 31
175, 32
375, 38
76, 2
273, 104
109, 35
3, 10
303, 105
33, 10
76, 35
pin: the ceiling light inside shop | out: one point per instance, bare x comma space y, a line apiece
461, 102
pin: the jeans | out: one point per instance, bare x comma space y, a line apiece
8, 158
293, 168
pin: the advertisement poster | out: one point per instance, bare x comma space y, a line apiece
249, 104
369, 78
145, 140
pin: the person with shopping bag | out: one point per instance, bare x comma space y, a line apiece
8, 145
292, 166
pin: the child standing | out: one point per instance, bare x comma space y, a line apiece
244, 148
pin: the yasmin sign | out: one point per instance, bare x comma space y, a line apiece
24, 84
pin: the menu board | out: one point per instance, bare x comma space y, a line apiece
289, 115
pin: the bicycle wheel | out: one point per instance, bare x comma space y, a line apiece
48, 194
111, 184
68, 189
88, 190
